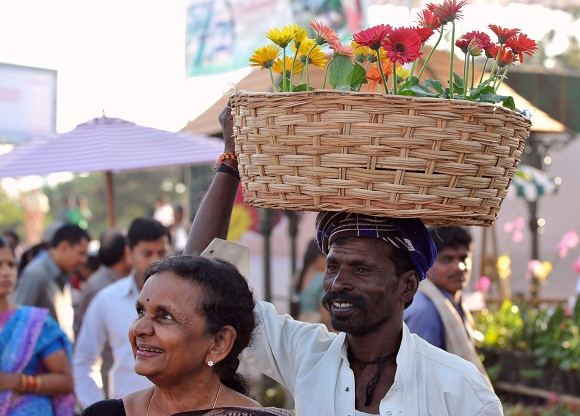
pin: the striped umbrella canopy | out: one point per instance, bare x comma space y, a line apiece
531, 183
108, 145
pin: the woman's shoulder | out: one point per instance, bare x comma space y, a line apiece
112, 407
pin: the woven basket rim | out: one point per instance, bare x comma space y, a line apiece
456, 102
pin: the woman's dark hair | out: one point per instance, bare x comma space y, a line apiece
310, 255
227, 300
4, 243
30, 255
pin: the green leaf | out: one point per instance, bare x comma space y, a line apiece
492, 98
508, 102
301, 87
340, 72
357, 77
458, 84
482, 88
407, 92
421, 91
435, 85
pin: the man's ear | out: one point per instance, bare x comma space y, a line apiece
409, 283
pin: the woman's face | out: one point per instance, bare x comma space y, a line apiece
8, 271
168, 337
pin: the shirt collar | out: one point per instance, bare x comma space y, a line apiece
131, 286
405, 357
51, 265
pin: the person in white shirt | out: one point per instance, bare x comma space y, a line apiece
374, 365
109, 316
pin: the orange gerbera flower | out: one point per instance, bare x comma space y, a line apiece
373, 36
505, 57
344, 50
447, 12
424, 33
403, 45
373, 75
428, 19
324, 34
503, 34
521, 44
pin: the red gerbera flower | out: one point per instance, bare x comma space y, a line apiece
491, 51
428, 19
447, 12
503, 34
483, 39
403, 45
521, 44
462, 44
424, 33
324, 34
373, 36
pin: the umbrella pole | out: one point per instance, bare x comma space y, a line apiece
110, 198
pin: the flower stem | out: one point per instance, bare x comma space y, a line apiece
381, 71
415, 61
430, 54
504, 74
452, 58
495, 63
465, 74
284, 69
308, 68
394, 78
293, 65
472, 70
274, 89
326, 72
483, 70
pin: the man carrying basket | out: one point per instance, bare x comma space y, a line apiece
374, 365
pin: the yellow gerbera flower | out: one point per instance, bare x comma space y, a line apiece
372, 57
277, 67
281, 37
361, 53
317, 58
402, 73
265, 56
299, 34
305, 46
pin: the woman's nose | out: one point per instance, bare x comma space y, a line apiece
142, 326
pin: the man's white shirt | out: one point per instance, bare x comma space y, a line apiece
312, 364
107, 320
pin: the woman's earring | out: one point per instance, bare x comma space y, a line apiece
210, 363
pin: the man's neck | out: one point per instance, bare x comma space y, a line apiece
382, 341
55, 256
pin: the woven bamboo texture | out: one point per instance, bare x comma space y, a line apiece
448, 162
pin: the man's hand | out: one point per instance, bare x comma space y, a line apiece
227, 122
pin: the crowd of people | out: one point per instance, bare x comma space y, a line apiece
382, 328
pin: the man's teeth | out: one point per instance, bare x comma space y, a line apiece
150, 349
341, 304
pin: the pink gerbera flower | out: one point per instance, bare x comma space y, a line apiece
344, 50
324, 34
428, 19
447, 12
373, 36
403, 45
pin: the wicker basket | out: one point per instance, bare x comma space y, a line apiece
445, 161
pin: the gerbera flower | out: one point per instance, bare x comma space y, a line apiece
447, 12
344, 50
281, 37
372, 57
402, 45
474, 42
277, 67
299, 34
505, 57
424, 33
483, 39
428, 19
361, 53
462, 44
402, 73
324, 34
491, 51
503, 34
373, 36
374, 77
521, 44
265, 56
316, 58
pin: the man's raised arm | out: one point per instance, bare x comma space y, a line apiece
212, 219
